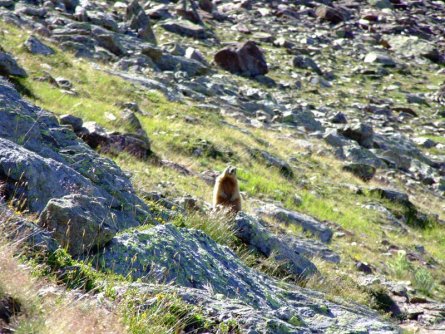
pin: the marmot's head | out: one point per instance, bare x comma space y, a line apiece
230, 171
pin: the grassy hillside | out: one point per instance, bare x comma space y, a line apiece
177, 131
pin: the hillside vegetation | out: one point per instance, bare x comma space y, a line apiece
110, 145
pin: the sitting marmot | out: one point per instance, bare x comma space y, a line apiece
226, 191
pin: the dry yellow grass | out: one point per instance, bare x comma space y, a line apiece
48, 308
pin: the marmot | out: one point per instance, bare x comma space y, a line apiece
226, 191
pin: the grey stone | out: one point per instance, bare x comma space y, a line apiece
8, 66
283, 247
412, 46
330, 14
41, 160
75, 122
306, 62
176, 63
339, 118
273, 161
381, 3
140, 22
243, 58
185, 28
310, 224
79, 222
35, 46
380, 58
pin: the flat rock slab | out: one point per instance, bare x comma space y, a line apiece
185, 28
308, 223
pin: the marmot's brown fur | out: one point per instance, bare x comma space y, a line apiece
226, 191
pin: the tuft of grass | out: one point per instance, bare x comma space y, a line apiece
421, 278
161, 313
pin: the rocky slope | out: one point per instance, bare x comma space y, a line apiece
116, 117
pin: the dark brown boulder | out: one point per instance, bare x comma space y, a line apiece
330, 14
243, 58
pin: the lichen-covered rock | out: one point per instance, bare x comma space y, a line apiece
206, 274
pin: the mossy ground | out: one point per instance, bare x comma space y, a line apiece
327, 192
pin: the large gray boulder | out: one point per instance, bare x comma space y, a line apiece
79, 222
206, 274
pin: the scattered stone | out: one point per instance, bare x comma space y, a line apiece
35, 46
361, 133
363, 267
75, 122
256, 235
272, 161
140, 22
380, 58
339, 118
306, 62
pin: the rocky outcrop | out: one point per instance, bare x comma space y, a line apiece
43, 164
198, 267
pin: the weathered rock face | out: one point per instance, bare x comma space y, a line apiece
196, 265
246, 59
42, 161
